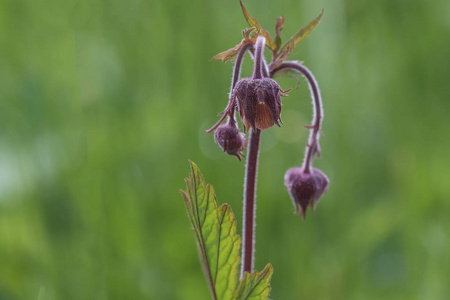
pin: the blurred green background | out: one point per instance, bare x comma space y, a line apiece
102, 103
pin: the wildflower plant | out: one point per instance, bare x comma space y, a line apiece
257, 100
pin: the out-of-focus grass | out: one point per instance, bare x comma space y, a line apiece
102, 104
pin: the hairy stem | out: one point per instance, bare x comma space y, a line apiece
265, 66
248, 227
259, 52
313, 141
236, 76
230, 109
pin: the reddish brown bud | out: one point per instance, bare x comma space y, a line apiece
232, 142
259, 102
304, 188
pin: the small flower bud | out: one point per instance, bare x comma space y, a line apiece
230, 140
259, 102
304, 188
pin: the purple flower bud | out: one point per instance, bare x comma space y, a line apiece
259, 102
232, 142
304, 188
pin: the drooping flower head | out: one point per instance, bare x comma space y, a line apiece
305, 188
230, 139
256, 98
259, 102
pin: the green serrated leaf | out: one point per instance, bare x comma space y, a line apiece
255, 286
288, 47
254, 23
215, 232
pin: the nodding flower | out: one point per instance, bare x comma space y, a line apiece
305, 188
258, 102
230, 139
257, 98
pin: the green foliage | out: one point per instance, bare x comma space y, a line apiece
215, 232
278, 27
255, 285
231, 53
254, 23
283, 52
280, 53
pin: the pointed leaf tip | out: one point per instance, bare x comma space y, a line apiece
229, 54
215, 231
254, 23
305, 31
278, 27
300, 35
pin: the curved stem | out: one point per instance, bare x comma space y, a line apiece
229, 110
265, 68
313, 141
259, 52
248, 227
238, 64
237, 73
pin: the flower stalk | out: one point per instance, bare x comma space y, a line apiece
259, 58
249, 216
313, 146
306, 184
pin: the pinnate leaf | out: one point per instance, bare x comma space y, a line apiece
215, 232
254, 23
255, 286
